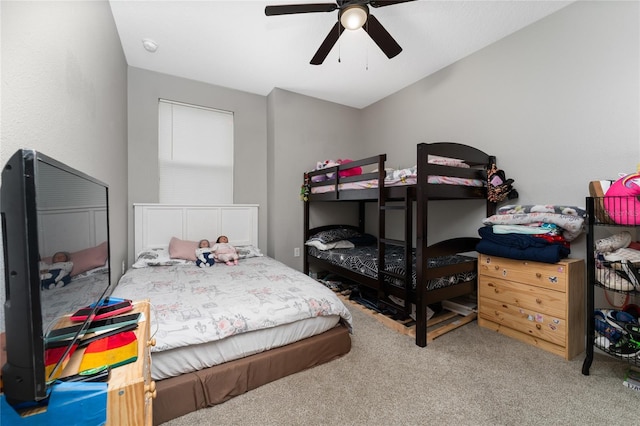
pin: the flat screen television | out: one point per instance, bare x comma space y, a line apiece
48, 207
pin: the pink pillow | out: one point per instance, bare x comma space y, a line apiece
182, 249
91, 258
354, 171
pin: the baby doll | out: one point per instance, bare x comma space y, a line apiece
225, 252
58, 273
204, 254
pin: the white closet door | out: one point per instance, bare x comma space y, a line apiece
195, 154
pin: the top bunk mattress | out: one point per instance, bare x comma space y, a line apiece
407, 176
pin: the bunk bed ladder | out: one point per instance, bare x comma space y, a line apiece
383, 241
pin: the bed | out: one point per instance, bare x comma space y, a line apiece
416, 276
223, 330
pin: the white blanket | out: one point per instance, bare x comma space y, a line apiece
192, 305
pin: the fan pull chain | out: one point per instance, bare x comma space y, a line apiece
339, 47
367, 50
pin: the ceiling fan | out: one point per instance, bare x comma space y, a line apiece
352, 15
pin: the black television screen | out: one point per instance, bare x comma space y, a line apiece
55, 228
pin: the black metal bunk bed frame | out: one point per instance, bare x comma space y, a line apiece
402, 198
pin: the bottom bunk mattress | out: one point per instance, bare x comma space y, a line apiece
201, 317
364, 260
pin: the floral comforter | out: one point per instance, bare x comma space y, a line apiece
192, 305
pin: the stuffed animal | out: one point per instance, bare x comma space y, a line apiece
499, 188
323, 165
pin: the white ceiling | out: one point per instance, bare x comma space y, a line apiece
233, 44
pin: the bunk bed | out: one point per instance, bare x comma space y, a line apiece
422, 275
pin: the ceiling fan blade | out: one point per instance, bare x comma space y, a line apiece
327, 44
382, 37
288, 9
374, 3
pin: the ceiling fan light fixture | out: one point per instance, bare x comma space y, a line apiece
353, 17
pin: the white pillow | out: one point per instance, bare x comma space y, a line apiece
245, 252
328, 246
156, 256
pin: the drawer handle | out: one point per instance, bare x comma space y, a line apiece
538, 275
538, 326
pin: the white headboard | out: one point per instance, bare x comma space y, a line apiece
155, 224
71, 229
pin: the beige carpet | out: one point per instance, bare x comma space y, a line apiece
470, 376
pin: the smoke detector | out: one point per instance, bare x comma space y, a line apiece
149, 45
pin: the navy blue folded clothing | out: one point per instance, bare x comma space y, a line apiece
519, 246
550, 254
512, 240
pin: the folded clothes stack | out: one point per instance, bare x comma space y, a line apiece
537, 232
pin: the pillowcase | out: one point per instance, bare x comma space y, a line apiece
183, 249
245, 252
333, 235
91, 258
446, 161
157, 256
334, 245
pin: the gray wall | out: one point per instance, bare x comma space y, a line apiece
302, 131
250, 138
63, 96
557, 103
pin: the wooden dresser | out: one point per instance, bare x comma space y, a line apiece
538, 303
130, 390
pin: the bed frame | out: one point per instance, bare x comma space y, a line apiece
403, 198
155, 224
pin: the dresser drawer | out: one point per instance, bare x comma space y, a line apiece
541, 304
539, 300
546, 275
532, 323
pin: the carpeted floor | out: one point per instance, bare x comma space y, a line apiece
470, 376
